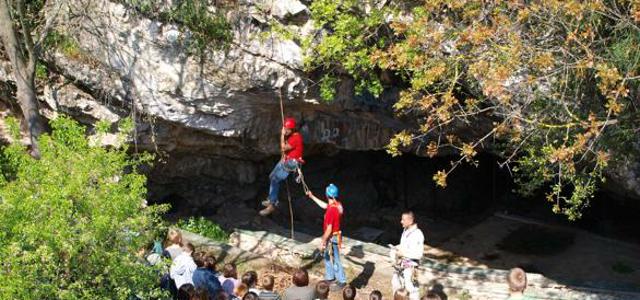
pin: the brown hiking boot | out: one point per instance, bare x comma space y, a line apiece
267, 211
265, 203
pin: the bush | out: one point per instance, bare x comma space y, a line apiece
72, 221
205, 228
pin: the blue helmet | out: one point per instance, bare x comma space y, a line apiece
332, 191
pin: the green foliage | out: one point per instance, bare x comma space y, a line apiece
65, 43
103, 126
328, 87
205, 228
560, 94
208, 29
73, 220
353, 39
41, 71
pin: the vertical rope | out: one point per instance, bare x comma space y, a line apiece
287, 180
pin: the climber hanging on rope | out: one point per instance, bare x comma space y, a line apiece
291, 147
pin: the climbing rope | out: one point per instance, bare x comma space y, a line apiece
300, 177
287, 180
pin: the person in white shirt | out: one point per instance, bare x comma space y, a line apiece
182, 268
408, 255
174, 243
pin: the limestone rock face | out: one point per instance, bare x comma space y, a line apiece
214, 119
226, 97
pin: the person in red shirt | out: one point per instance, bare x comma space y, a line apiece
332, 236
292, 148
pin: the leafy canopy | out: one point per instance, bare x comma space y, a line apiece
73, 220
548, 85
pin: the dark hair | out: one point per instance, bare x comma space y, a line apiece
300, 277
401, 294
431, 296
230, 271
250, 279
375, 295
209, 261
348, 293
517, 280
198, 258
322, 289
221, 295
267, 282
250, 296
200, 294
186, 291
190, 246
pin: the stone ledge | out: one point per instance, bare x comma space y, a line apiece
480, 283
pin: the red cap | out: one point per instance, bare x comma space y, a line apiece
290, 123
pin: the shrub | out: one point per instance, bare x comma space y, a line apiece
72, 220
205, 228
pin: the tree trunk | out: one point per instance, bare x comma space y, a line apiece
26, 95
24, 65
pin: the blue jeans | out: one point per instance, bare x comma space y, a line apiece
278, 175
333, 270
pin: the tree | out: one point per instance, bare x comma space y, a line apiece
73, 220
557, 82
23, 29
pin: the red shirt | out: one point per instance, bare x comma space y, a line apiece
295, 141
332, 216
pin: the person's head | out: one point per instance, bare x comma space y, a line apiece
230, 271
517, 280
186, 291
401, 294
300, 277
267, 282
209, 261
289, 126
375, 295
174, 236
431, 296
331, 192
198, 258
408, 219
188, 248
250, 279
250, 296
200, 294
322, 290
241, 290
221, 295
348, 293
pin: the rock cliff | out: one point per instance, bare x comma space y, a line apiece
214, 118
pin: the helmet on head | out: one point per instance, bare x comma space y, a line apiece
332, 191
290, 123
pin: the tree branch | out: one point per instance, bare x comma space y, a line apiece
26, 31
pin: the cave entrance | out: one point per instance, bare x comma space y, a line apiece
376, 188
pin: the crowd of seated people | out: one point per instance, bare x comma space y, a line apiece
192, 276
